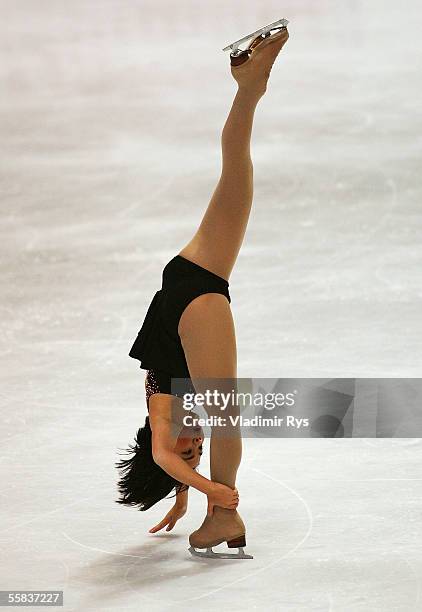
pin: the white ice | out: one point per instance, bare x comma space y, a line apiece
111, 114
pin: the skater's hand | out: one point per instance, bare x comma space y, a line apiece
223, 496
172, 516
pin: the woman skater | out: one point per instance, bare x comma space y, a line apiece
188, 333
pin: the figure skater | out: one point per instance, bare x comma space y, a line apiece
188, 333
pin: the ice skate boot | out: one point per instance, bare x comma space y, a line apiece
238, 57
223, 525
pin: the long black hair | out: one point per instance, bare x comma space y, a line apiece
142, 482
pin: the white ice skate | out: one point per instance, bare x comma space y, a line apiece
206, 537
238, 57
209, 553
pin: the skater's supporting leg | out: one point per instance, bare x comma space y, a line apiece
210, 352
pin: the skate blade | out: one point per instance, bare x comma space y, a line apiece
235, 45
210, 554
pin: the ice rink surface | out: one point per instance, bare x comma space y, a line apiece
111, 114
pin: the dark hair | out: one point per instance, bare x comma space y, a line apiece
142, 482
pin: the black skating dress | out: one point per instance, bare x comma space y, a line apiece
158, 346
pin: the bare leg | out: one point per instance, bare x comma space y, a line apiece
207, 334
210, 348
217, 242
208, 339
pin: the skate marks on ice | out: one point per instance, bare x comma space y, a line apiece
145, 201
102, 550
142, 567
272, 564
165, 557
380, 574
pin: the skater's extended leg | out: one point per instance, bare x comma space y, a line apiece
219, 237
217, 241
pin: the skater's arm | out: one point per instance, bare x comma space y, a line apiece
182, 499
177, 467
163, 443
163, 453
218, 494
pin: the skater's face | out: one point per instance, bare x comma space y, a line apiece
189, 445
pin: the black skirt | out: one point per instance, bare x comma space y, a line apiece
158, 345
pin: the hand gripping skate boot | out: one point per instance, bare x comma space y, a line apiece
238, 57
223, 525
